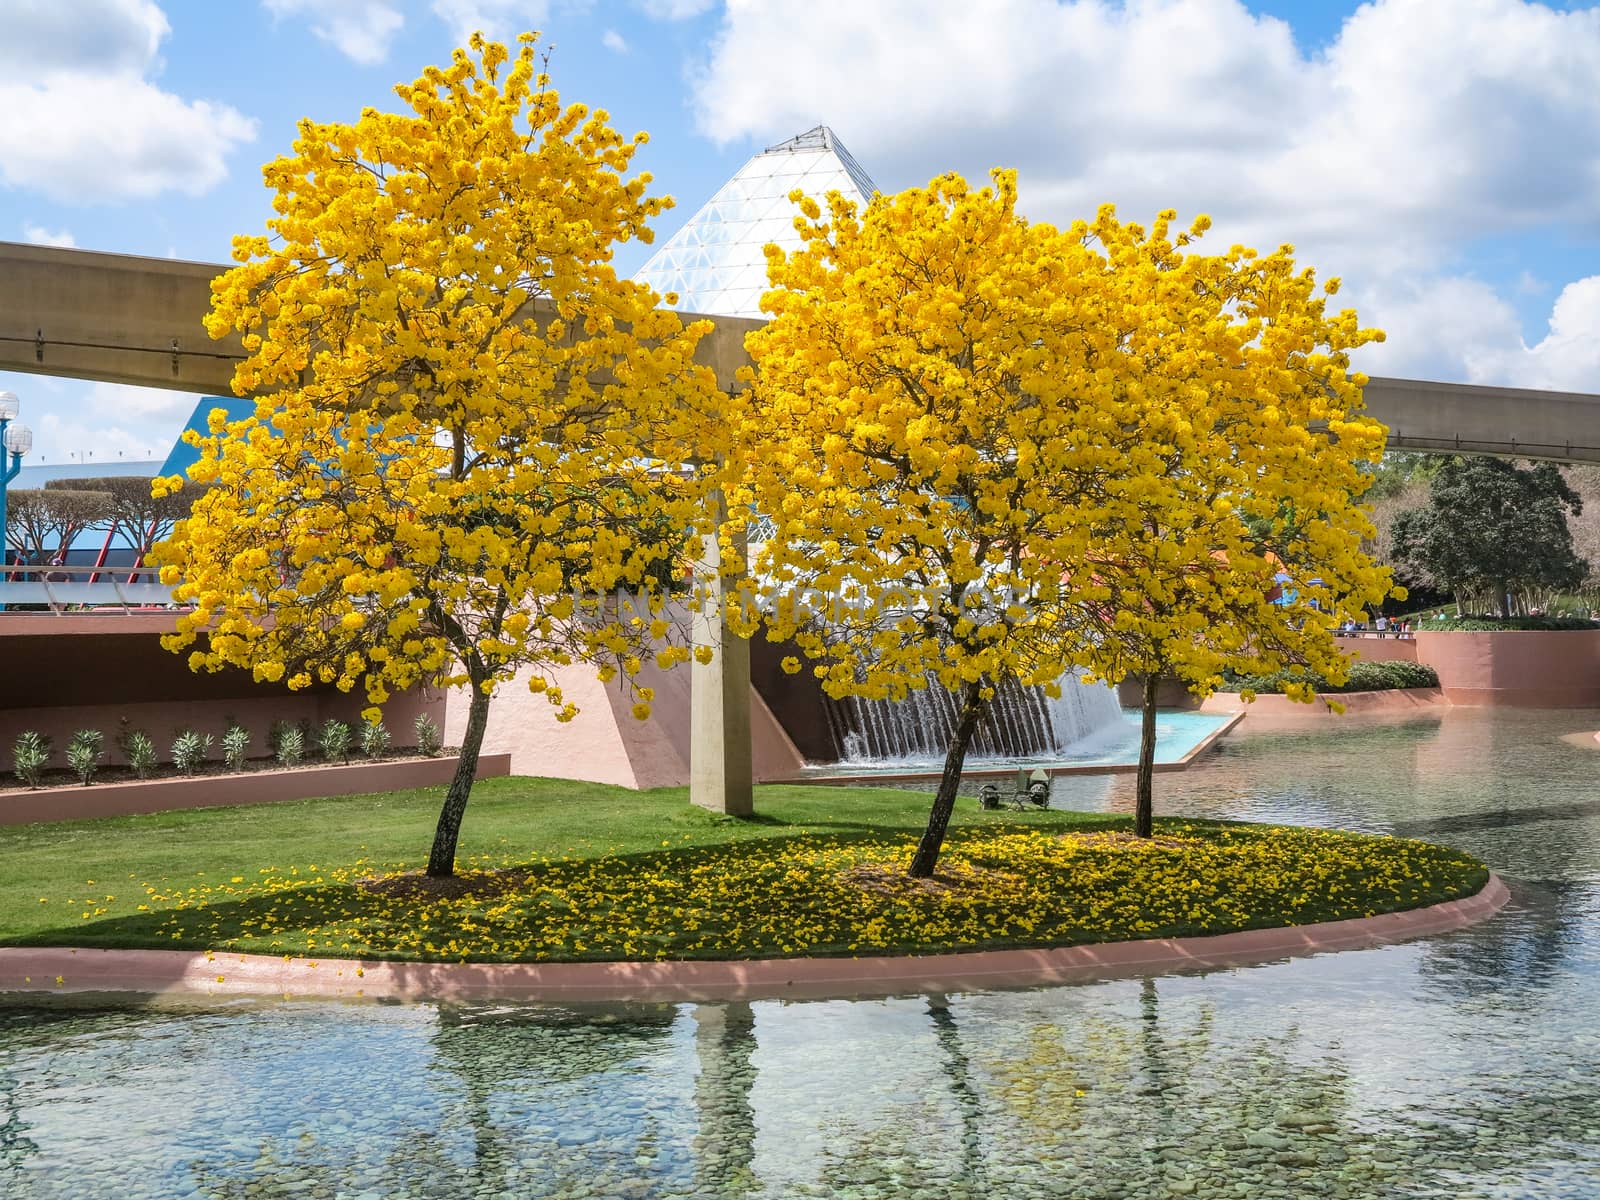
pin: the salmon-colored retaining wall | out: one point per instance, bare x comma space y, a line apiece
255, 787
1519, 668
605, 743
164, 719
1524, 668
1379, 649
62, 673
1279, 708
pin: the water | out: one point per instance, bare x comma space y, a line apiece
1112, 745
1022, 722
1461, 1066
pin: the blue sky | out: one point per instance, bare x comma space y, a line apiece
1441, 156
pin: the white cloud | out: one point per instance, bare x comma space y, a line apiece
84, 123
612, 40
675, 10
90, 138
497, 19
75, 420
1567, 358
1440, 117
361, 30
47, 36
1461, 329
40, 236
1433, 326
1423, 125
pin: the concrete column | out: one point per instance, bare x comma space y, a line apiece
720, 774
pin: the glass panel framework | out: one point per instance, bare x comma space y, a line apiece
715, 263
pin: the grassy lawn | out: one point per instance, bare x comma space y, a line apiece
559, 871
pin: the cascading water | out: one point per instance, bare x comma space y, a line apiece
1022, 723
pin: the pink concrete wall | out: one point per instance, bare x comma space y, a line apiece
1379, 649
161, 720
1523, 668
605, 743
62, 673
1273, 709
254, 787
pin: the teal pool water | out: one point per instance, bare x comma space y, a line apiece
1177, 734
1461, 1066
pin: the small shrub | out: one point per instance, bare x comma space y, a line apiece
235, 747
1368, 677
140, 750
290, 745
1411, 675
334, 741
374, 739
430, 739
137, 747
189, 750
84, 752
1273, 684
30, 756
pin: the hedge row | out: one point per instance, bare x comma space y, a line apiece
1364, 677
1497, 624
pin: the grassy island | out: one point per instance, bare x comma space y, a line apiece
560, 871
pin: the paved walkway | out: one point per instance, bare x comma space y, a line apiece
56, 971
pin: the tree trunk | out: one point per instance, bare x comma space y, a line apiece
944, 800
1144, 803
442, 859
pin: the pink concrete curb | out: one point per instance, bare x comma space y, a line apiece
177, 972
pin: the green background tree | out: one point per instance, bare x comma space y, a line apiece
1493, 529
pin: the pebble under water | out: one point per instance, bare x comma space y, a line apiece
1459, 1066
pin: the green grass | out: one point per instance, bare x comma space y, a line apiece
552, 870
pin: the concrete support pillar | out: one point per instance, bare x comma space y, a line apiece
720, 773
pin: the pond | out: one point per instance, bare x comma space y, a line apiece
1460, 1066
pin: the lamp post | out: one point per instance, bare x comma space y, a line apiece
14, 443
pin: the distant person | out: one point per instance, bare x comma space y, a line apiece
1383, 624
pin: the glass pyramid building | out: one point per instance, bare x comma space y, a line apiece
715, 262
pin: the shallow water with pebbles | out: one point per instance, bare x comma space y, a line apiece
1460, 1066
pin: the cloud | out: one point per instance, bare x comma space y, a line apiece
1460, 329
88, 139
612, 40
46, 36
1422, 126
40, 236
73, 419
498, 19
1433, 324
361, 30
1567, 358
85, 123
675, 10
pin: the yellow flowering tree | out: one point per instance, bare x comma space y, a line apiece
957, 418
1230, 539
469, 429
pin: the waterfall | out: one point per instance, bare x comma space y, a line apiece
1022, 722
